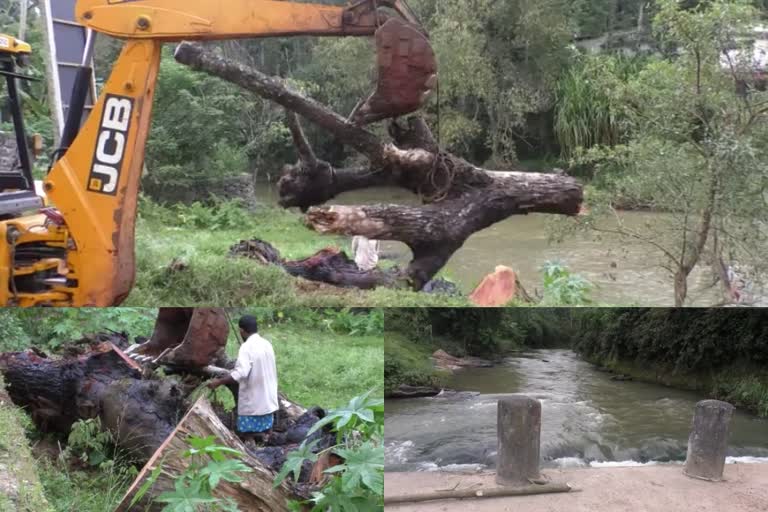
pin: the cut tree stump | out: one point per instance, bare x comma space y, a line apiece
255, 493
499, 288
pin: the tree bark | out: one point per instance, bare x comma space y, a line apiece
152, 419
102, 384
459, 198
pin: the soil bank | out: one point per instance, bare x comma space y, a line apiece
616, 489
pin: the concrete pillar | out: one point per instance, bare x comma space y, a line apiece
708, 441
519, 433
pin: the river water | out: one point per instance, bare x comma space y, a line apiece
622, 273
587, 419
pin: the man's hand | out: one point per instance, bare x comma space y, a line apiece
221, 381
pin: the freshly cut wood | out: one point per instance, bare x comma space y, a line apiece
494, 492
459, 198
255, 493
499, 288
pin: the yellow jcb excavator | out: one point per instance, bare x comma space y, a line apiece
80, 252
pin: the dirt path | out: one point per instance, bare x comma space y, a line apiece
633, 489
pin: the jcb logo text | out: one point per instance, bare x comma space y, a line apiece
110, 144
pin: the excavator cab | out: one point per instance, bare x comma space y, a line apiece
17, 187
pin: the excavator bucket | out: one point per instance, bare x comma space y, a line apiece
407, 73
188, 336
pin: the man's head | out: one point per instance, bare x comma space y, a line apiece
248, 326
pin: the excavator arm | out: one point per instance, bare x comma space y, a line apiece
82, 252
175, 20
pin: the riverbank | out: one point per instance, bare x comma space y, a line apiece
741, 384
630, 489
182, 260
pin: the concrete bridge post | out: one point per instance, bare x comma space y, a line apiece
708, 441
519, 435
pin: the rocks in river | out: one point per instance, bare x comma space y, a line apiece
622, 378
452, 394
445, 361
406, 391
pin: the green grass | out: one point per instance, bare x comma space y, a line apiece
207, 275
408, 363
17, 466
84, 491
316, 366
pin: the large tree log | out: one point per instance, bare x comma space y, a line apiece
152, 419
254, 494
460, 198
102, 384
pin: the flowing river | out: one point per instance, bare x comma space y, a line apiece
621, 273
587, 419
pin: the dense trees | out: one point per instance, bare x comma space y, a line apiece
686, 340
673, 126
488, 332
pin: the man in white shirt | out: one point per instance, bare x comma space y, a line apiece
256, 375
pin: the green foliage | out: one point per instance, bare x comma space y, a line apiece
562, 288
295, 460
363, 414
89, 443
588, 110
58, 326
196, 135
357, 484
94, 490
696, 146
683, 339
23, 491
725, 350
193, 489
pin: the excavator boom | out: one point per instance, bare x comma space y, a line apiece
82, 252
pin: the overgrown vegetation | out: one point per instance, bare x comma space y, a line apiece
412, 335
651, 113
722, 352
323, 356
357, 484
20, 488
683, 133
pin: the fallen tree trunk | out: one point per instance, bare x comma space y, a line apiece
102, 384
255, 493
459, 198
152, 420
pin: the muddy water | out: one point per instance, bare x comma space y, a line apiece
622, 273
587, 419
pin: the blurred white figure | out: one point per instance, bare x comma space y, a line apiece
366, 253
